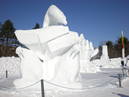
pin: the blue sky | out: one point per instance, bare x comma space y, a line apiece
98, 20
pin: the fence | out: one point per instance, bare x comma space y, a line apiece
42, 93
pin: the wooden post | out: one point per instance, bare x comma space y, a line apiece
119, 78
6, 72
42, 88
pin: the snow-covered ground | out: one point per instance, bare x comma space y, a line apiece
11, 64
101, 84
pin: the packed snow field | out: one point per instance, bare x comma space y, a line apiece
101, 84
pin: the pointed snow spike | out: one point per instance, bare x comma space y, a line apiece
54, 16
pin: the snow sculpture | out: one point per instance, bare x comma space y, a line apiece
91, 46
69, 66
31, 67
104, 59
51, 52
54, 16
86, 53
104, 52
36, 39
105, 62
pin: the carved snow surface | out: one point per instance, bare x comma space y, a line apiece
104, 52
54, 16
36, 39
87, 51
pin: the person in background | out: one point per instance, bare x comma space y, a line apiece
122, 63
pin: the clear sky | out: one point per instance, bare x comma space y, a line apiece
98, 20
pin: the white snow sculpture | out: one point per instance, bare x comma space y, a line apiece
36, 39
105, 62
104, 57
63, 43
52, 53
68, 67
31, 67
104, 52
87, 44
86, 53
91, 46
54, 16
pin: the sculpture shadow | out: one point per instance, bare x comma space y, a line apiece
114, 76
121, 95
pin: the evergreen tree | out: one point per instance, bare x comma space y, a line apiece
0, 26
110, 48
119, 46
0, 30
36, 26
7, 30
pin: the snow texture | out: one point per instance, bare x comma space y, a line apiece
35, 39
54, 16
87, 51
104, 53
9, 64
